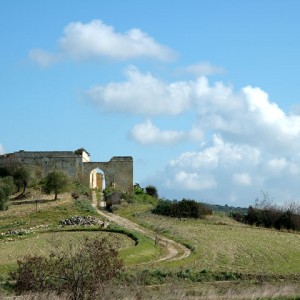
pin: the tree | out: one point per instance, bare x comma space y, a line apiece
22, 176
152, 191
82, 270
57, 182
7, 188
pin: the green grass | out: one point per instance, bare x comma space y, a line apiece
30, 215
134, 248
44, 243
221, 244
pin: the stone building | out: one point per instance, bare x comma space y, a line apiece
117, 172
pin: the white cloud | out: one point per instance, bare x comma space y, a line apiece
191, 181
146, 133
249, 144
96, 39
203, 69
142, 94
43, 58
218, 155
222, 172
2, 151
242, 178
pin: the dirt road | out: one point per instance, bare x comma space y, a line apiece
173, 250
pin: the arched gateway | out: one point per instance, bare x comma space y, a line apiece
118, 171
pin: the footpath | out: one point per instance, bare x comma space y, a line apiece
173, 250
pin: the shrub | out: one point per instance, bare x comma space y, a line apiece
56, 182
182, 209
81, 271
7, 188
22, 177
152, 191
272, 218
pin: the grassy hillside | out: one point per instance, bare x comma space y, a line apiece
41, 221
221, 244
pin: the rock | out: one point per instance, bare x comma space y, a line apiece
82, 221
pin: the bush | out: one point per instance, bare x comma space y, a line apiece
152, 191
7, 188
22, 177
272, 218
80, 271
182, 209
56, 182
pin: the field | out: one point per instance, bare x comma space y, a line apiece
42, 222
222, 244
268, 260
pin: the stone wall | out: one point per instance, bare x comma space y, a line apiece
118, 172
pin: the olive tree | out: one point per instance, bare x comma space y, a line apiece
56, 182
22, 176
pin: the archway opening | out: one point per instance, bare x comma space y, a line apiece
97, 179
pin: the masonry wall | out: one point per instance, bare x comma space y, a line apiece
118, 172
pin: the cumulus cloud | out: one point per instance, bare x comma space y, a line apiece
142, 94
43, 58
222, 171
236, 116
191, 181
203, 69
242, 178
95, 39
146, 133
248, 143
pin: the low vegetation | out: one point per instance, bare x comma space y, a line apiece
82, 271
269, 215
182, 209
231, 253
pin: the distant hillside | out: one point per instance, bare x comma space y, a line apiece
227, 209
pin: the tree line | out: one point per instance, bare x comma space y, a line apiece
15, 179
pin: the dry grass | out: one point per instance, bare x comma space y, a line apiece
221, 244
221, 291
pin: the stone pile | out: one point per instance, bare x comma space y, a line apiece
82, 221
16, 232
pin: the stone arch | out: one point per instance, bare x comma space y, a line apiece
97, 179
118, 172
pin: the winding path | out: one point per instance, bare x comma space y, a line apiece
173, 250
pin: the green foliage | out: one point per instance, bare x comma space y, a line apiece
22, 177
137, 190
56, 182
182, 209
272, 218
84, 205
151, 191
82, 271
157, 276
7, 187
80, 190
4, 172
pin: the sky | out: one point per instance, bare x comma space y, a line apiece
204, 95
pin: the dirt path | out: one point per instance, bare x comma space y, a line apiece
173, 250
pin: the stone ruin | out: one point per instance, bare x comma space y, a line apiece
117, 173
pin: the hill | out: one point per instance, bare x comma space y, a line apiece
222, 249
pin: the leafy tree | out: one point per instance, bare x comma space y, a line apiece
185, 208
152, 191
22, 176
57, 182
82, 271
7, 188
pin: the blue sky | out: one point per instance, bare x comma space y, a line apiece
203, 94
